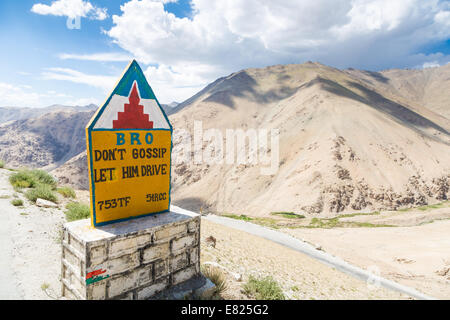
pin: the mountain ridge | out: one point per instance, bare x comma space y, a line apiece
349, 141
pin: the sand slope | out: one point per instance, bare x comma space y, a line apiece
345, 145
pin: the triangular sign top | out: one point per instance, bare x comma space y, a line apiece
131, 105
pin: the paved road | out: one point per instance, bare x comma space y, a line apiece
306, 248
8, 287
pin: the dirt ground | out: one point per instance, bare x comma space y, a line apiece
409, 255
415, 251
301, 277
36, 246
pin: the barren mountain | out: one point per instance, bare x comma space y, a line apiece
74, 172
23, 113
46, 141
349, 140
418, 88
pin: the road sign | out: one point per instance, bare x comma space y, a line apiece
129, 145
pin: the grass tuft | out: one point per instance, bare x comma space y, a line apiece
216, 276
31, 179
17, 202
263, 288
77, 211
2, 164
42, 191
289, 215
329, 223
235, 216
66, 192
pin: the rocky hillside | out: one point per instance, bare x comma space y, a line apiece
350, 140
46, 141
23, 113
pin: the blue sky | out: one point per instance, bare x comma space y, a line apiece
184, 45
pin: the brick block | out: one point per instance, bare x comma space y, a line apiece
97, 291
161, 268
178, 262
193, 226
77, 245
153, 289
97, 255
72, 260
193, 255
78, 285
122, 284
128, 244
144, 274
182, 243
170, 232
122, 264
184, 275
155, 252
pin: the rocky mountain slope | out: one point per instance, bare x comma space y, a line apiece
23, 113
350, 140
47, 141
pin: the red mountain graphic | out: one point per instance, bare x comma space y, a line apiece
133, 116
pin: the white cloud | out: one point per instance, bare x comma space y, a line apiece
13, 96
83, 102
177, 83
71, 9
106, 83
226, 36
25, 96
112, 57
431, 64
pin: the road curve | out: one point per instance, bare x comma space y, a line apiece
306, 248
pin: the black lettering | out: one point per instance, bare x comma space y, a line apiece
98, 155
130, 172
112, 154
122, 151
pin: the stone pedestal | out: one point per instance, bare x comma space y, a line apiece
135, 259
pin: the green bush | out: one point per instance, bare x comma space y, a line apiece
31, 178
43, 177
77, 211
42, 191
263, 289
22, 179
67, 192
17, 202
2, 164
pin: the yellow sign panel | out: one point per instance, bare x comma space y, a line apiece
131, 173
129, 143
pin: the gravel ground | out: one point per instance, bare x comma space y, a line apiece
300, 276
35, 249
